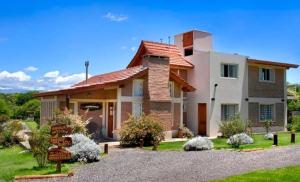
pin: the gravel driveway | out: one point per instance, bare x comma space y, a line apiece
140, 165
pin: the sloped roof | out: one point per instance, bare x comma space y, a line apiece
112, 76
160, 49
101, 81
272, 63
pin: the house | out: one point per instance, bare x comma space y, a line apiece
187, 83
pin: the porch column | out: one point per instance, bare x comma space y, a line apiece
181, 109
119, 108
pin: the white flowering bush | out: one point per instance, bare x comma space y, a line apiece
84, 149
198, 143
239, 139
269, 136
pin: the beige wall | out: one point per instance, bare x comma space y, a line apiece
265, 89
176, 116
127, 89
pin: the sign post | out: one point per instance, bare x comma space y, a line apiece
59, 154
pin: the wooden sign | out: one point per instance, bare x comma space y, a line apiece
61, 141
58, 154
60, 129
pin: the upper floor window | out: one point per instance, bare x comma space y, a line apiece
229, 70
138, 87
188, 51
228, 111
171, 88
266, 112
266, 74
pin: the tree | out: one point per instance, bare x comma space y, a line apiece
4, 109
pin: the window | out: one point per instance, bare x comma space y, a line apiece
229, 70
138, 88
137, 109
171, 88
266, 112
228, 111
188, 51
266, 74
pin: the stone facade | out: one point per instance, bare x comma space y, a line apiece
261, 89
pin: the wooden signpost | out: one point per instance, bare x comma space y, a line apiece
59, 154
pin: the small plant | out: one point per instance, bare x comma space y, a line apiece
8, 135
198, 143
268, 125
83, 149
231, 127
146, 127
238, 139
296, 123
76, 122
39, 143
186, 132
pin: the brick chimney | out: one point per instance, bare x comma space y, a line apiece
157, 98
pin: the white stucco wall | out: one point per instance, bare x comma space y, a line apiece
229, 90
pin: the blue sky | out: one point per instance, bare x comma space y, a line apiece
43, 44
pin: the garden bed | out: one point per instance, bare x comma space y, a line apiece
284, 139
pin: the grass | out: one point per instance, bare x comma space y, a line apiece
284, 139
32, 125
13, 163
290, 174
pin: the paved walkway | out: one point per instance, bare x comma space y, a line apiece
171, 166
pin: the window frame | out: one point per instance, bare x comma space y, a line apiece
134, 87
273, 112
171, 87
229, 104
229, 64
272, 74
134, 109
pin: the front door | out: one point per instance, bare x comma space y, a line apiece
202, 119
110, 119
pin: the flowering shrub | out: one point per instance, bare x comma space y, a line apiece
146, 128
76, 122
239, 139
269, 136
186, 132
198, 143
83, 149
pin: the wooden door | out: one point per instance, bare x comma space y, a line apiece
202, 119
110, 119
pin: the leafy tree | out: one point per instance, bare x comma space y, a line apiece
4, 109
22, 98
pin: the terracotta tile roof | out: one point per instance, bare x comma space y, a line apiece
100, 81
160, 49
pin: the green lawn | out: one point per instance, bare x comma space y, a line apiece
284, 139
13, 163
288, 174
32, 125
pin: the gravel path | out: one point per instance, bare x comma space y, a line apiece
171, 166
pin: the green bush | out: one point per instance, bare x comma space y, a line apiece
296, 123
146, 128
231, 127
39, 143
8, 135
4, 109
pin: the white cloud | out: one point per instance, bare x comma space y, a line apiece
31, 69
51, 74
19, 76
70, 78
114, 17
5, 88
